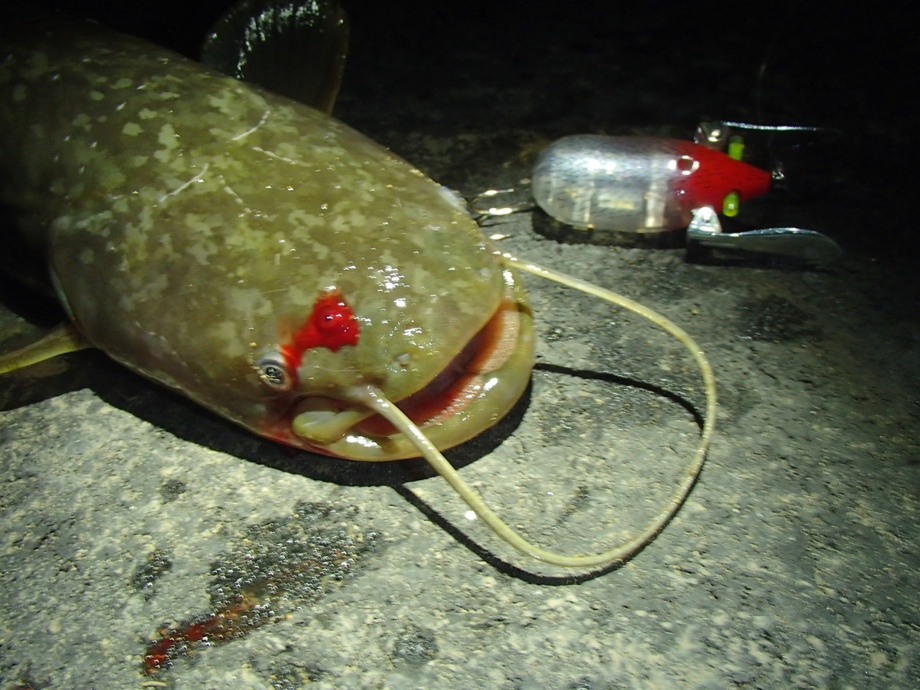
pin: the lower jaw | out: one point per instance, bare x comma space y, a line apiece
459, 428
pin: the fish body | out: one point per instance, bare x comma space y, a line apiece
638, 184
195, 227
266, 260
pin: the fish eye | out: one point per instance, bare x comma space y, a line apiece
273, 370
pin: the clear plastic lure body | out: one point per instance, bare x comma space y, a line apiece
639, 184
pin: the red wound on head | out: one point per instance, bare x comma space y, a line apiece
331, 324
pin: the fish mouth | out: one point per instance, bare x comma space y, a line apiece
472, 393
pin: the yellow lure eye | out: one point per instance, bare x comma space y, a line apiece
736, 148
731, 205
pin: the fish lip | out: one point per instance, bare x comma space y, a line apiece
472, 393
451, 390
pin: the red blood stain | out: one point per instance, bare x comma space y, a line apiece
331, 324
281, 565
222, 626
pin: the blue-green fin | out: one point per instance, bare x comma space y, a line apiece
293, 48
59, 341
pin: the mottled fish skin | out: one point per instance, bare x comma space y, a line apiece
191, 221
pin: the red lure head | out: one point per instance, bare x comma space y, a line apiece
331, 324
710, 175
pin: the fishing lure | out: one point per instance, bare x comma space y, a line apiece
632, 184
267, 261
639, 184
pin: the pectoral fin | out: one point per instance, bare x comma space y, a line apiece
59, 341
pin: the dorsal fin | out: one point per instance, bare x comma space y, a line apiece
295, 48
